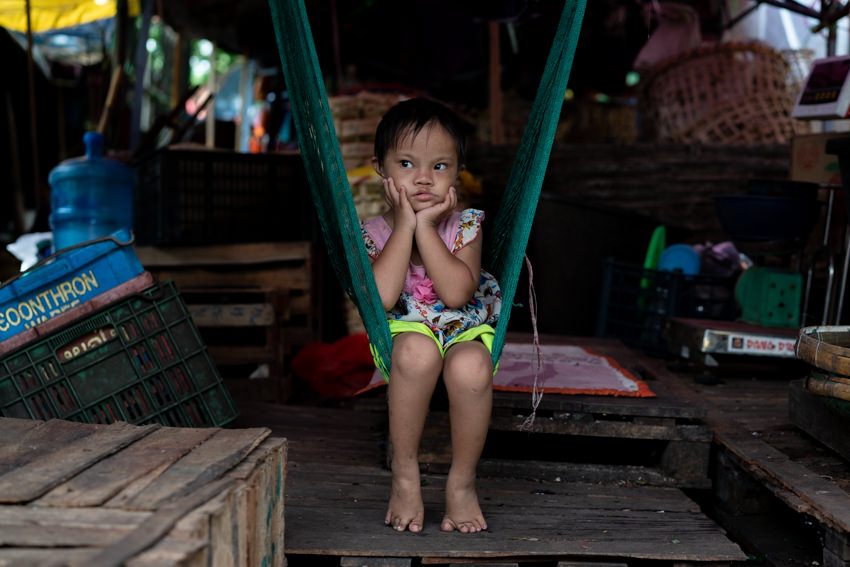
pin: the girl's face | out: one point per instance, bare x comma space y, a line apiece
425, 164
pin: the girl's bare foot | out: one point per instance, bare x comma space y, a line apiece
406, 510
463, 512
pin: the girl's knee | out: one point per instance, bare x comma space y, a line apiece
469, 368
415, 352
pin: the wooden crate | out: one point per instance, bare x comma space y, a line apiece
94, 495
255, 305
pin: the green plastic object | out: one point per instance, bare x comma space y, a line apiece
141, 360
770, 297
657, 244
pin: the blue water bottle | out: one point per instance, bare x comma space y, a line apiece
90, 196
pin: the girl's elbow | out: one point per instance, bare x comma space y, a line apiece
458, 301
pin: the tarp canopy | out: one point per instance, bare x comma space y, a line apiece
48, 15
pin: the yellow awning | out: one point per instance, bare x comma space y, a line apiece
48, 15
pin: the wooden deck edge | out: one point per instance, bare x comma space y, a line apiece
224, 254
577, 472
801, 489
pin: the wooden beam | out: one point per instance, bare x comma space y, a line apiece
497, 130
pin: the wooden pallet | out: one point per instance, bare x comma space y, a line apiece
81, 494
255, 304
337, 491
661, 441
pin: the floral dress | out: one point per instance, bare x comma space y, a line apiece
418, 301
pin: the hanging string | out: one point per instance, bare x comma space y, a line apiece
536, 393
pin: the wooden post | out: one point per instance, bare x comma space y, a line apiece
176, 91
42, 196
118, 78
17, 183
246, 88
61, 133
121, 19
497, 131
141, 64
211, 87
111, 97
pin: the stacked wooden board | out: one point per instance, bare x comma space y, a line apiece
255, 304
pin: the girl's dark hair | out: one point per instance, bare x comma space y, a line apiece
409, 117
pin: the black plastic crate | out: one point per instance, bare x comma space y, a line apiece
200, 197
141, 360
635, 303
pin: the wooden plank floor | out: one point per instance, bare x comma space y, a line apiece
748, 410
337, 489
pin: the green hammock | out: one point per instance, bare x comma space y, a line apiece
508, 237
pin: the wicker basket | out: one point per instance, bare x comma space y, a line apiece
734, 92
826, 348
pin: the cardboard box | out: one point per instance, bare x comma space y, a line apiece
810, 162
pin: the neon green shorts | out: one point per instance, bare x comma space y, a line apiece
483, 333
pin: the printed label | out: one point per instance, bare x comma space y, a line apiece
762, 345
49, 303
85, 343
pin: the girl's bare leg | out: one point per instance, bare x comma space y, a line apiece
416, 365
468, 375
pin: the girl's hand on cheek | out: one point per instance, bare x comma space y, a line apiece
403, 214
433, 215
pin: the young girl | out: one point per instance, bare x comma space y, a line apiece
426, 259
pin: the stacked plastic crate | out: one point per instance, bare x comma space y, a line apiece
88, 336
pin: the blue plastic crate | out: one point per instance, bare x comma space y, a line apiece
66, 279
141, 360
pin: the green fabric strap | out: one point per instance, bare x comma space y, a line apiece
332, 195
508, 237
325, 170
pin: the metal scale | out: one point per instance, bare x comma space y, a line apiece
825, 96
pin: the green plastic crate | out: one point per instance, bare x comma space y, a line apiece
140, 360
770, 297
